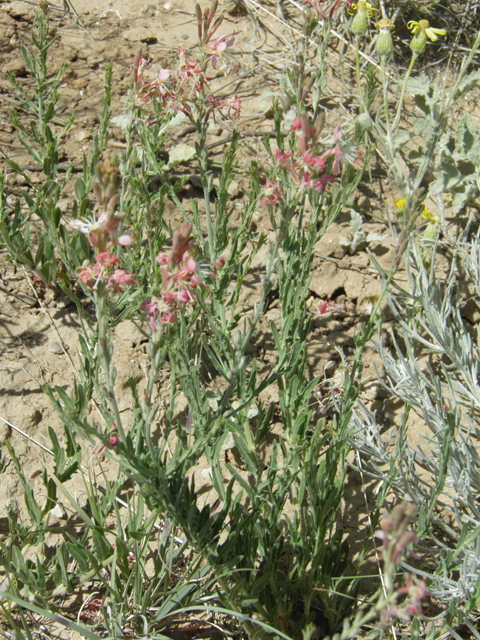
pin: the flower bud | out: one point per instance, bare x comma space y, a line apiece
384, 44
418, 42
365, 122
359, 22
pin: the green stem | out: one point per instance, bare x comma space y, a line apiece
203, 164
104, 351
385, 96
402, 95
357, 67
372, 324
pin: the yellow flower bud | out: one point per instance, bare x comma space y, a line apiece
363, 10
359, 24
384, 44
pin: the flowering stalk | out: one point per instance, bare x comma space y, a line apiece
184, 87
309, 170
104, 276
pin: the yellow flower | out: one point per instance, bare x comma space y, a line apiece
420, 32
362, 6
427, 215
384, 25
400, 205
424, 25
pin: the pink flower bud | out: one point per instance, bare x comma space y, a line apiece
162, 258
126, 240
121, 277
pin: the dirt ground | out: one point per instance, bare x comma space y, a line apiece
33, 330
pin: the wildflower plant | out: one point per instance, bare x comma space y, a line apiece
57, 253
266, 545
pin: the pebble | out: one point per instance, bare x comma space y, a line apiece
55, 347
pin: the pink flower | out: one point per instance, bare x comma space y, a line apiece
152, 311
219, 47
125, 240
321, 183
120, 278
106, 259
168, 297
162, 258
185, 296
105, 270
163, 75
296, 125
282, 160
180, 275
315, 161
273, 193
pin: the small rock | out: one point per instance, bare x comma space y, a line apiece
234, 189
471, 312
81, 134
148, 10
55, 347
58, 511
17, 67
